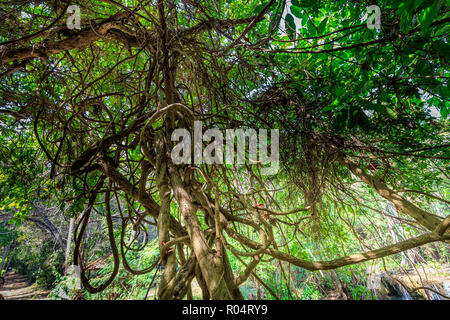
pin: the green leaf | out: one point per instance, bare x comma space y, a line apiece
322, 25
444, 110
296, 11
290, 26
391, 112
406, 22
311, 28
259, 8
418, 3
304, 3
428, 15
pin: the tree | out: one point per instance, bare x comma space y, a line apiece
350, 103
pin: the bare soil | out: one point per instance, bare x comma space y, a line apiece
17, 288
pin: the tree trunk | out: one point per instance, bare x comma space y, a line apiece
422, 217
68, 244
211, 265
5, 253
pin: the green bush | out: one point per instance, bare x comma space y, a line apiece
41, 264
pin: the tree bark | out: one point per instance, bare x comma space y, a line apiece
68, 244
211, 265
421, 216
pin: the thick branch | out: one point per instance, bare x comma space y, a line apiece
423, 217
79, 40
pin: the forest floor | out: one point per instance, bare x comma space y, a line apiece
17, 288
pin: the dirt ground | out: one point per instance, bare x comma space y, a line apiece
17, 288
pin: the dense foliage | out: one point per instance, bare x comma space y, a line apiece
86, 122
